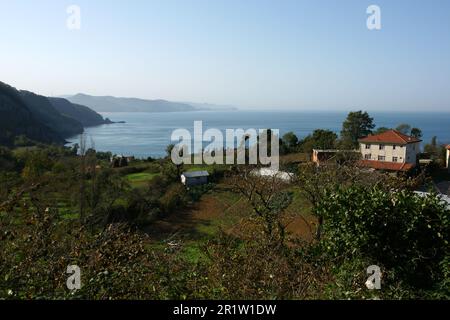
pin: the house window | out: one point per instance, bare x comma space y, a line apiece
367, 156
381, 158
367, 146
381, 146
394, 159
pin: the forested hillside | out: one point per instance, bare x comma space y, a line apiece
26, 116
16, 119
83, 114
41, 107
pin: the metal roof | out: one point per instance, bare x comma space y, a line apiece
195, 174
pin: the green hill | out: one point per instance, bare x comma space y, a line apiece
16, 119
41, 119
44, 111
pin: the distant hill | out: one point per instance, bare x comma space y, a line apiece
82, 114
113, 104
211, 107
16, 119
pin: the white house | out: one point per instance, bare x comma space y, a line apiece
194, 178
390, 150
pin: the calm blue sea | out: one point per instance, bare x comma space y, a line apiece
148, 134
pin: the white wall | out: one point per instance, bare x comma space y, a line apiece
406, 153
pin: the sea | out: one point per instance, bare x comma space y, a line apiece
147, 134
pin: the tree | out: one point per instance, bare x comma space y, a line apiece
268, 199
357, 125
169, 149
7, 160
313, 182
416, 133
408, 130
82, 176
104, 155
432, 148
381, 130
37, 163
320, 139
289, 142
74, 149
434, 141
404, 128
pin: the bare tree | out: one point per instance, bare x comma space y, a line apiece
268, 197
315, 181
82, 176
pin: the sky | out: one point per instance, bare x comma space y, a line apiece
277, 55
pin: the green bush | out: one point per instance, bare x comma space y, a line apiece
406, 233
196, 192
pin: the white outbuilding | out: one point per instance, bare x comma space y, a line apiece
194, 178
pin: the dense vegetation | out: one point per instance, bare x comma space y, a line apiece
404, 233
17, 120
82, 114
27, 118
127, 226
58, 208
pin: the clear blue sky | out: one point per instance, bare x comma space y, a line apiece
249, 53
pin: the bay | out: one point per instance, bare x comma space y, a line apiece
148, 134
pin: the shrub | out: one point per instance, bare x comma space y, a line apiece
196, 192
402, 231
256, 269
175, 197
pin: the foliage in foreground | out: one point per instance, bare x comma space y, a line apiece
121, 263
403, 233
364, 223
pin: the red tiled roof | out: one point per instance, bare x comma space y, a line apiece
390, 136
383, 165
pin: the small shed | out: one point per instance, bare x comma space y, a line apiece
194, 178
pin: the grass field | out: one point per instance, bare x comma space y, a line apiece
219, 210
222, 210
138, 180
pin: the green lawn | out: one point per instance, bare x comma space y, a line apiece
140, 179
